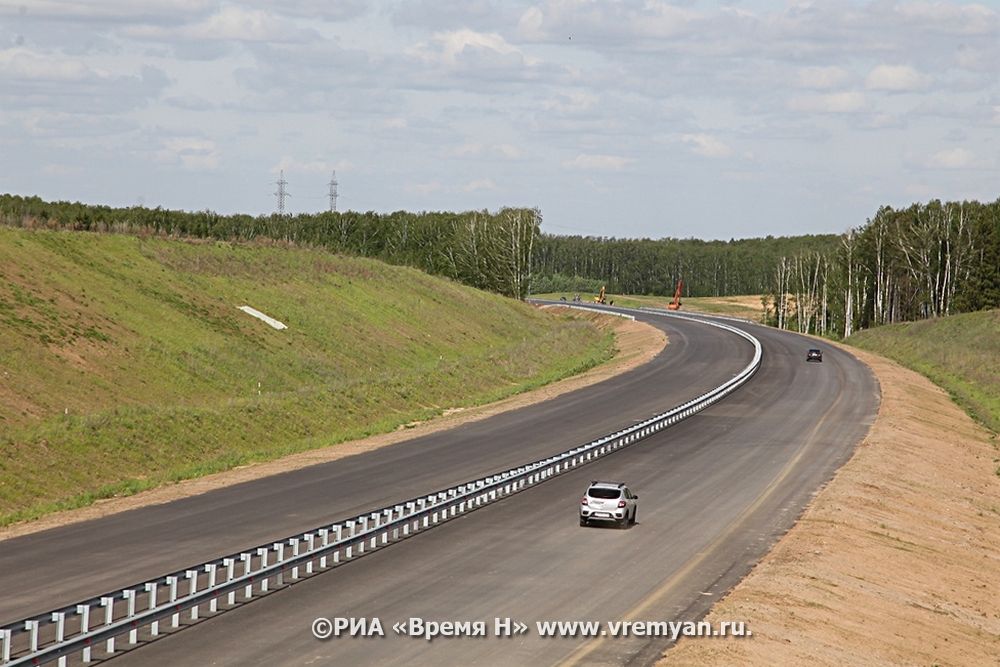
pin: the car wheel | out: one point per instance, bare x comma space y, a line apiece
634, 512
624, 523
583, 522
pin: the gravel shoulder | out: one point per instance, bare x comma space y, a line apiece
635, 342
897, 559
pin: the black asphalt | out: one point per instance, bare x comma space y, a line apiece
715, 492
61, 566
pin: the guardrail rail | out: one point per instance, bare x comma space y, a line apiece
149, 609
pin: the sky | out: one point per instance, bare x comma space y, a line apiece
621, 118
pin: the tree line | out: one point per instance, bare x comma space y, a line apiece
490, 251
653, 267
927, 260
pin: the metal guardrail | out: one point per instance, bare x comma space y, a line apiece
96, 624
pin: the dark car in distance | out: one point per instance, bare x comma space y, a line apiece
814, 355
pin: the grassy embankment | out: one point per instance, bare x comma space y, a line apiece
125, 363
960, 353
748, 306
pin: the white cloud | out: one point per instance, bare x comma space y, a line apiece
895, 78
22, 63
845, 102
529, 26
290, 165
508, 151
191, 152
598, 162
955, 18
951, 158
479, 184
475, 149
229, 23
451, 48
706, 145
423, 189
573, 101
822, 78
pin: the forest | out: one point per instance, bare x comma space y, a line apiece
926, 260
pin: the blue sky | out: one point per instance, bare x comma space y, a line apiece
648, 118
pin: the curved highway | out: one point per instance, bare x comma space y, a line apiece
716, 491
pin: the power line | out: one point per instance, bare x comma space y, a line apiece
333, 192
282, 193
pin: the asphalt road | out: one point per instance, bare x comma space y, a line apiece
716, 491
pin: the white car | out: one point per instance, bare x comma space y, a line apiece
611, 502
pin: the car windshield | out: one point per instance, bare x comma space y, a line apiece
597, 492
813, 351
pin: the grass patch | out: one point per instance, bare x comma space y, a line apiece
960, 353
126, 363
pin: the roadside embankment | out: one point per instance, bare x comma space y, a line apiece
127, 363
635, 343
897, 559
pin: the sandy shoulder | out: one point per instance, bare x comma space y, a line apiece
896, 561
636, 343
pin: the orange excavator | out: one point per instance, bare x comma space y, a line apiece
676, 303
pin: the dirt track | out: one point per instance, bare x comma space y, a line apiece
897, 560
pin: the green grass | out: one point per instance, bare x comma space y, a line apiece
960, 353
125, 363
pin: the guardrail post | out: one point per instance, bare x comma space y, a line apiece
5, 639
154, 627
129, 595
192, 577
32, 628
175, 619
324, 536
84, 611
262, 552
59, 618
230, 564
310, 545
247, 560
213, 604
350, 528
280, 548
295, 552
109, 613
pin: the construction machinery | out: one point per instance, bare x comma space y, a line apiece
600, 297
676, 303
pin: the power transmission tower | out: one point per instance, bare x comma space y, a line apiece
333, 192
282, 193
